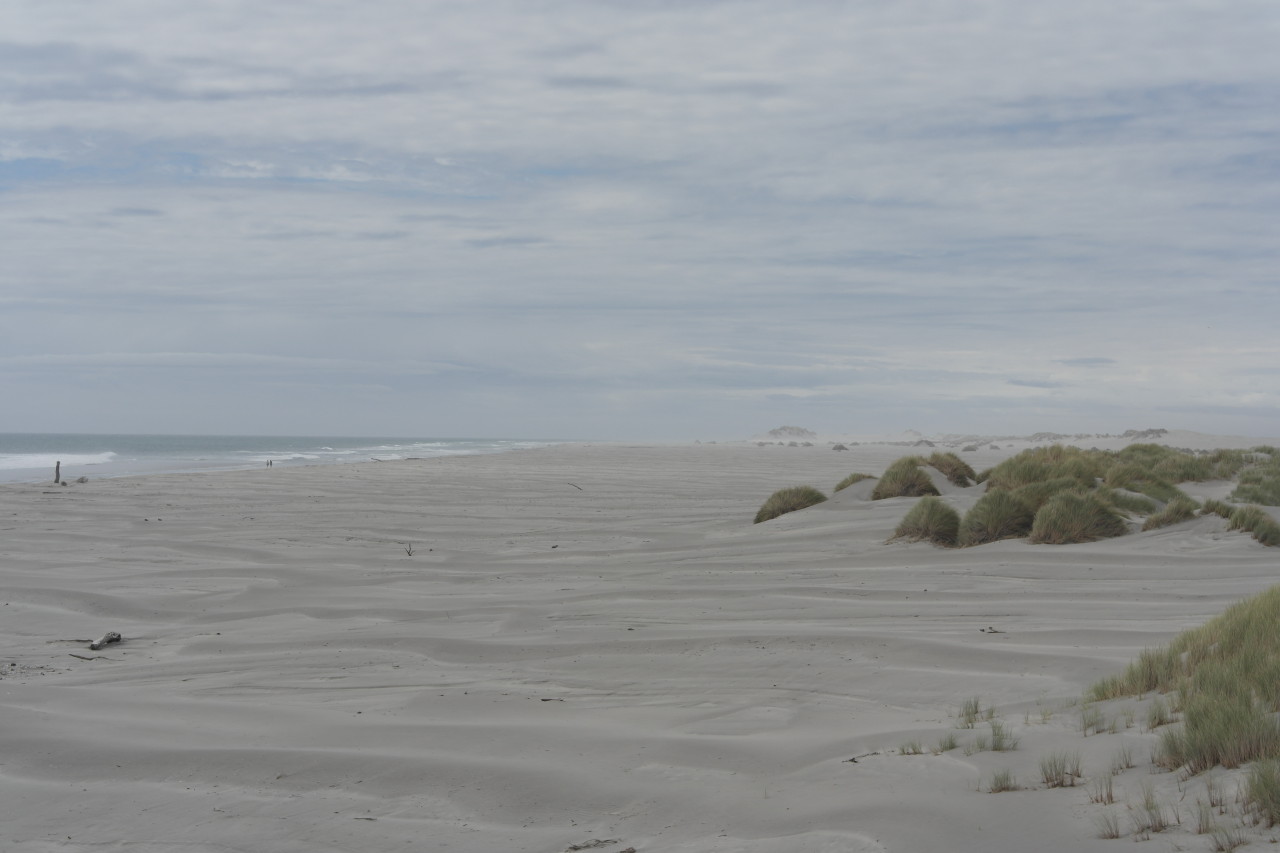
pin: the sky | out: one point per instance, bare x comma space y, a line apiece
640, 219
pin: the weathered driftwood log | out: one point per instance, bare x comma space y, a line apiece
57, 471
109, 637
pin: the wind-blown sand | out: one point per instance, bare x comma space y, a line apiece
588, 642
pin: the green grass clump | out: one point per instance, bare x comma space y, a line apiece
1158, 714
1108, 824
1035, 495
851, 479
946, 743
1076, 495
1219, 729
1049, 463
1227, 838
970, 712
932, 520
1174, 512
1060, 769
904, 479
1259, 484
1002, 737
1003, 780
1135, 478
1257, 522
1185, 468
953, 468
1147, 456
1262, 792
1217, 508
1128, 502
997, 515
1068, 518
1227, 677
1179, 466
1228, 463
788, 500
1218, 465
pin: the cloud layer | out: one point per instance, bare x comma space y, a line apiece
642, 219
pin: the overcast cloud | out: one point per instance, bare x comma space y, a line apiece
641, 219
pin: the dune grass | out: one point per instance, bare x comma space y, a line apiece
904, 479
1226, 675
1217, 508
953, 468
1060, 769
1049, 463
911, 747
1002, 737
1069, 494
788, 500
1108, 824
997, 515
1035, 495
970, 712
1158, 714
1127, 501
1136, 478
1256, 521
1227, 838
1262, 792
1178, 467
1003, 780
1259, 484
851, 479
1152, 469
932, 520
946, 743
1069, 518
1175, 511
1252, 519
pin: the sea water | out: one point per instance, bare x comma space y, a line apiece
31, 458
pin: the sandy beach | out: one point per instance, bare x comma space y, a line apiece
571, 647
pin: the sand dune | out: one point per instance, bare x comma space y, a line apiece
587, 643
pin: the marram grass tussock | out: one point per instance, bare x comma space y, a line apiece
788, 500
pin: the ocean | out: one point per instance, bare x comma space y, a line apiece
30, 457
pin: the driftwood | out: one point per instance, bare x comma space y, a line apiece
109, 637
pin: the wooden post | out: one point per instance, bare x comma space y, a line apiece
57, 472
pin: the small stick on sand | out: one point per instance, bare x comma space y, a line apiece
109, 637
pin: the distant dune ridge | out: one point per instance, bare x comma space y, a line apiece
591, 646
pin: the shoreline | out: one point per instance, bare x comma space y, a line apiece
526, 651
31, 458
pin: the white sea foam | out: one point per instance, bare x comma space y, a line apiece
19, 461
30, 458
